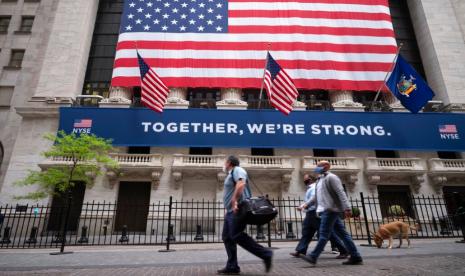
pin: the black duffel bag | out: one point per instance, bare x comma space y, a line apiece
257, 210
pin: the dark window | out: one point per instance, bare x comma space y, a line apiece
4, 23
26, 24
133, 206
139, 150
453, 195
136, 97
386, 154
315, 99
405, 34
449, 155
392, 196
262, 151
203, 97
252, 97
16, 58
103, 48
364, 97
200, 151
324, 153
60, 205
9, 1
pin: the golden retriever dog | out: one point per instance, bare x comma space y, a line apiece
389, 230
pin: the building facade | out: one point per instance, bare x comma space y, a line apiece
60, 53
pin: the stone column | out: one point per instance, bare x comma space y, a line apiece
231, 99
67, 50
177, 98
343, 100
439, 29
120, 97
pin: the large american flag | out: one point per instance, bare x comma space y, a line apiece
323, 44
281, 90
153, 91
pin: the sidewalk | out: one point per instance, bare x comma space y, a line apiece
426, 257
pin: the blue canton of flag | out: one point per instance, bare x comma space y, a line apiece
408, 86
175, 16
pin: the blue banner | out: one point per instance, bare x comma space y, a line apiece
269, 128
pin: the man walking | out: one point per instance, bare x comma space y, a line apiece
311, 223
236, 190
331, 202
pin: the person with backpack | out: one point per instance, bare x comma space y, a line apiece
331, 202
236, 189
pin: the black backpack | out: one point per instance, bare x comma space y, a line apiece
255, 210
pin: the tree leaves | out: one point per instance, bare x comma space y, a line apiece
87, 156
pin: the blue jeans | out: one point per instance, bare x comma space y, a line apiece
233, 235
331, 221
310, 226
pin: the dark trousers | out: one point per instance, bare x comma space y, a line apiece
331, 223
310, 226
233, 235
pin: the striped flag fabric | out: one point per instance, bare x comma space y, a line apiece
280, 88
323, 44
153, 91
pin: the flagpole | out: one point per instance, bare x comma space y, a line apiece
386, 77
263, 78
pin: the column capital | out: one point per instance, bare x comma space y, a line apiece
299, 106
177, 98
343, 100
231, 99
120, 97
394, 103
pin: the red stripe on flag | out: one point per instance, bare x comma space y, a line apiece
356, 2
255, 46
310, 14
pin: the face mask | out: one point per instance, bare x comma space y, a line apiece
307, 181
319, 170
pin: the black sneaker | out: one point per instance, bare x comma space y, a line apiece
268, 263
309, 259
227, 271
353, 261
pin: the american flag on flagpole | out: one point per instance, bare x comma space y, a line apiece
280, 88
323, 44
153, 91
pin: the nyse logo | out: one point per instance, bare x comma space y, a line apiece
82, 126
448, 132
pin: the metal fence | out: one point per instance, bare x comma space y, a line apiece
194, 221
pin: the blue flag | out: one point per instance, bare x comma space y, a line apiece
408, 86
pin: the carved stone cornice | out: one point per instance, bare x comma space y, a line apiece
438, 182
231, 104
176, 103
116, 101
456, 107
177, 177
299, 106
286, 179
37, 112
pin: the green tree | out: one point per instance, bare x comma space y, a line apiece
86, 156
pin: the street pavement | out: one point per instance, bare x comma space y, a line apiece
426, 257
